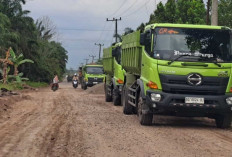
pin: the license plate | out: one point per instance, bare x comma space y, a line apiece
194, 100
95, 82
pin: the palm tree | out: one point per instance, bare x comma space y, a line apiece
18, 60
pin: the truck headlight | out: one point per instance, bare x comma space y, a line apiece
229, 100
156, 97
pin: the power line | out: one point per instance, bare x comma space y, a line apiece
82, 29
118, 8
128, 8
107, 34
137, 9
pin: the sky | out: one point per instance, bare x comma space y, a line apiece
82, 23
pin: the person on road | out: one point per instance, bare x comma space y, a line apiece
75, 77
55, 79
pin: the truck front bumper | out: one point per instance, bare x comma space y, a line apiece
174, 104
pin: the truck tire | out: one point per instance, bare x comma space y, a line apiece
144, 118
127, 108
108, 98
223, 121
116, 98
83, 86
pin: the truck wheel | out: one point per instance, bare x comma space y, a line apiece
108, 98
85, 87
144, 118
223, 121
81, 85
116, 98
127, 108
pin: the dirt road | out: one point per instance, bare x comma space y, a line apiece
72, 122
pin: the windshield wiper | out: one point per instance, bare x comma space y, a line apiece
214, 62
170, 62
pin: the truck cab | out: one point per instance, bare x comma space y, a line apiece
179, 70
92, 74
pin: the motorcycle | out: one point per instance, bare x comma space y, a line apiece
54, 86
75, 83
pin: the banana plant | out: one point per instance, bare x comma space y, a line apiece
18, 60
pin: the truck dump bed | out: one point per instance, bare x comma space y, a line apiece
108, 61
131, 53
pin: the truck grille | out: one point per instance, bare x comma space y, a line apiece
95, 79
178, 84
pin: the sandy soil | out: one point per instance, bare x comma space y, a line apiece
77, 123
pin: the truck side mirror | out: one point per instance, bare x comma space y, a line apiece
114, 52
142, 38
145, 38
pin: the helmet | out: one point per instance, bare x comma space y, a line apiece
75, 74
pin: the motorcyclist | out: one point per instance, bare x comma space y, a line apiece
55, 79
75, 77
55, 82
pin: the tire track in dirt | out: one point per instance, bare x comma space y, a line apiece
72, 122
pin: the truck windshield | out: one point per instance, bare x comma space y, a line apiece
203, 45
94, 70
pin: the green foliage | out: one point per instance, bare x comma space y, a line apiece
29, 40
141, 27
225, 13
12, 86
181, 11
36, 84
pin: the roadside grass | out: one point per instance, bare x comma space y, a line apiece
37, 84
19, 86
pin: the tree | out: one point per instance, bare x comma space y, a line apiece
181, 11
46, 28
128, 30
33, 41
141, 27
159, 14
224, 13
191, 11
170, 9
18, 60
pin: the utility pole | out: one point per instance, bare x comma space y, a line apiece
100, 45
116, 27
92, 56
86, 61
214, 16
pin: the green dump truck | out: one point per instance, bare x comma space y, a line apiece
92, 74
179, 70
114, 73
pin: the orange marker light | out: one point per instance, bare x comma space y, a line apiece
120, 81
230, 89
152, 85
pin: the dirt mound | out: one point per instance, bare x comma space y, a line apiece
7, 103
97, 89
6, 92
